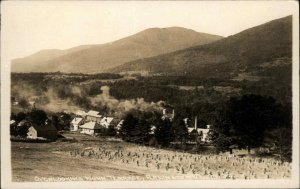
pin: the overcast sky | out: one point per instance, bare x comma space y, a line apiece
28, 27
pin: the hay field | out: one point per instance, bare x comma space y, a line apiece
91, 158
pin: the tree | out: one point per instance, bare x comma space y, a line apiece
19, 117
23, 103
61, 121
194, 135
180, 130
129, 125
111, 131
136, 126
279, 137
164, 133
280, 142
38, 117
243, 121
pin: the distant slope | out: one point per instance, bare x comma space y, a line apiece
98, 58
28, 63
243, 52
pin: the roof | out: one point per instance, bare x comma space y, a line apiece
190, 129
44, 128
93, 113
91, 125
76, 120
152, 129
106, 120
204, 131
12, 122
119, 125
80, 112
24, 122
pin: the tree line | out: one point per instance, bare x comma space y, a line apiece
250, 121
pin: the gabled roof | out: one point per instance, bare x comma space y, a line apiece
91, 125
76, 120
44, 128
80, 112
119, 125
106, 120
93, 113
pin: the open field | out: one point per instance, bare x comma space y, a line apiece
92, 158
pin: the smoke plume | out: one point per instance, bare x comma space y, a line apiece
119, 107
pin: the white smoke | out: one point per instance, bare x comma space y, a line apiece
55, 104
105, 101
119, 107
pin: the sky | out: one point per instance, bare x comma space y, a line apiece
31, 26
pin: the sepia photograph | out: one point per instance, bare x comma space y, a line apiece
149, 94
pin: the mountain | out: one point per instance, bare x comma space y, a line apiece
244, 53
28, 63
99, 58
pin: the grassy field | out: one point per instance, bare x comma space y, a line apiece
102, 158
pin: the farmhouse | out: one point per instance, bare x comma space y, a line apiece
168, 114
42, 131
75, 123
106, 121
202, 132
93, 116
91, 128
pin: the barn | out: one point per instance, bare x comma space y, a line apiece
42, 131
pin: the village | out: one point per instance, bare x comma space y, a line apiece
94, 124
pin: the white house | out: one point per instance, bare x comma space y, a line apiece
106, 121
93, 116
91, 128
152, 130
168, 115
202, 132
75, 123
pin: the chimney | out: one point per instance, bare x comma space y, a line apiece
173, 114
196, 122
164, 111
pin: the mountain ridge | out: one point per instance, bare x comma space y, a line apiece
245, 51
98, 58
